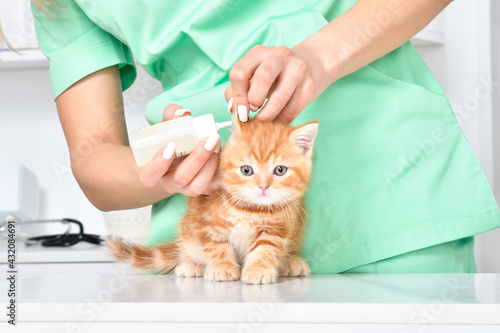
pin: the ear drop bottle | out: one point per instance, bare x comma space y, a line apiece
185, 132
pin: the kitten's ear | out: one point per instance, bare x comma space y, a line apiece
236, 128
303, 137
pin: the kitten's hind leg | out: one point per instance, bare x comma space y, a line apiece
188, 268
294, 266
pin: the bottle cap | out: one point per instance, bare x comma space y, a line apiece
206, 125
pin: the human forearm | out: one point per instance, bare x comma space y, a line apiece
92, 117
109, 177
364, 33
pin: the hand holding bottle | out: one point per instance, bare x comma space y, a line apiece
192, 175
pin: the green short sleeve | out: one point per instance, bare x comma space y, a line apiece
77, 47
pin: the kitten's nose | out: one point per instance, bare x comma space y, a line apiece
263, 187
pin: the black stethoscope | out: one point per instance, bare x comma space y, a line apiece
64, 240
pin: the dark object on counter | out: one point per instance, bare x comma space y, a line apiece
65, 239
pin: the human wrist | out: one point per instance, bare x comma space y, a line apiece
324, 63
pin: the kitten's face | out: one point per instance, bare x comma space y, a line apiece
267, 164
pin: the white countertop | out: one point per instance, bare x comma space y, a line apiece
363, 298
81, 252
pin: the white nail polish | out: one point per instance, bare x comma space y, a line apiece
230, 104
211, 141
242, 113
253, 108
169, 151
217, 150
180, 112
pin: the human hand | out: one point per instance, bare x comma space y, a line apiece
290, 78
192, 175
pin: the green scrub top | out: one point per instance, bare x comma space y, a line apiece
393, 172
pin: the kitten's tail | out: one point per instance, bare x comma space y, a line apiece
160, 259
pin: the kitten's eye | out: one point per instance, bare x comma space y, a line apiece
280, 170
246, 170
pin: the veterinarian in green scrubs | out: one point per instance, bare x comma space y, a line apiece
395, 186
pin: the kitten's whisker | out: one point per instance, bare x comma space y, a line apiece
310, 192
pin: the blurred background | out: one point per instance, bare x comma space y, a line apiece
461, 47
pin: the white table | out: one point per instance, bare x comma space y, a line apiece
346, 303
82, 258
36, 254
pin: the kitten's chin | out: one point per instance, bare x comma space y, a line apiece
264, 200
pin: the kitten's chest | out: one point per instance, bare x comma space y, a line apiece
245, 227
241, 236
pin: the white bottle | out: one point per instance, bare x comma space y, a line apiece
186, 132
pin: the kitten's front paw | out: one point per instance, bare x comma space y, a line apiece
295, 266
222, 272
259, 275
188, 269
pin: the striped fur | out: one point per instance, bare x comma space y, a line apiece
252, 227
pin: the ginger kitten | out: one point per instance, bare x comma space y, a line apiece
253, 223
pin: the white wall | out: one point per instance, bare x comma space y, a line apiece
30, 133
491, 249
495, 38
463, 66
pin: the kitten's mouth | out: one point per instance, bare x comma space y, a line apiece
263, 198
